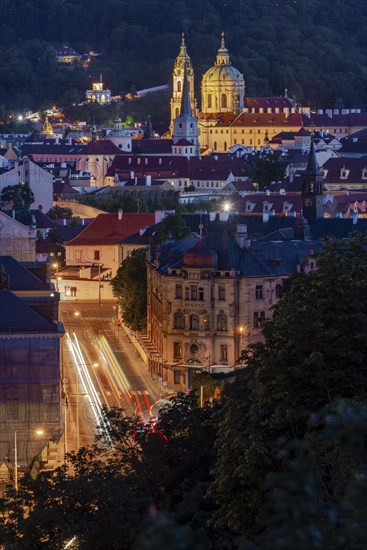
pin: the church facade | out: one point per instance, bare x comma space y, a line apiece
226, 118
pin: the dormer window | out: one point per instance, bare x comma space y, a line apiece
364, 173
344, 173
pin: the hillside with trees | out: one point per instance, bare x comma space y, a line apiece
316, 49
279, 461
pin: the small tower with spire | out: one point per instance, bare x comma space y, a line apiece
185, 126
182, 61
312, 189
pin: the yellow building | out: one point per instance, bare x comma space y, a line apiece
182, 61
223, 86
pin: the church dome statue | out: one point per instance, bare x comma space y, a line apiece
223, 86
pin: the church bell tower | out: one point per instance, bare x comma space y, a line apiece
312, 189
182, 62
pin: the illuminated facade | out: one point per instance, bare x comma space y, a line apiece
223, 86
98, 93
182, 61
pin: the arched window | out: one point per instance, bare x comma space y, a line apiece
179, 86
178, 320
209, 101
215, 146
222, 321
225, 146
224, 101
194, 322
177, 111
206, 322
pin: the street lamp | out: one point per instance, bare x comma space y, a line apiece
37, 432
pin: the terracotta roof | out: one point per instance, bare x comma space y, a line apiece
101, 147
351, 119
215, 166
353, 167
108, 229
262, 119
152, 146
268, 102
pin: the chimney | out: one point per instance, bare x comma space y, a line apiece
148, 180
119, 214
261, 110
286, 111
241, 236
354, 217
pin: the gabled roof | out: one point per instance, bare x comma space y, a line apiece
353, 166
268, 102
151, 146
101, 147
20, 278
108, 229
16, 316
31, 217
52, 149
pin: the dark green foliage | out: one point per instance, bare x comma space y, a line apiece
267, 169
314, 352
20, 195
130, 288
206, 381
173, 226
110, 495
4, 278
315, 50
59, 213
279, 462
111, 202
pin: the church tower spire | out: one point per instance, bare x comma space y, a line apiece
312, 188
185, 126
182, 61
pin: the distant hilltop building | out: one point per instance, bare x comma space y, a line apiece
98, 93
68, 55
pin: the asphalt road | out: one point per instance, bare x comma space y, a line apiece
100, 368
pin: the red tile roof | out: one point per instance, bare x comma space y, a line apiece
268, 102
101, 147
108, 229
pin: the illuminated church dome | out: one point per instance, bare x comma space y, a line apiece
223, 86
47, 128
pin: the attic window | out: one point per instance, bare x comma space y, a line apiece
344, 174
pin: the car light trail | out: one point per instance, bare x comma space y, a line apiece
86, 382
113, 362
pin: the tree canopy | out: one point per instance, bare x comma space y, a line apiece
129, 286
315, 50
279, 462
20, 195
